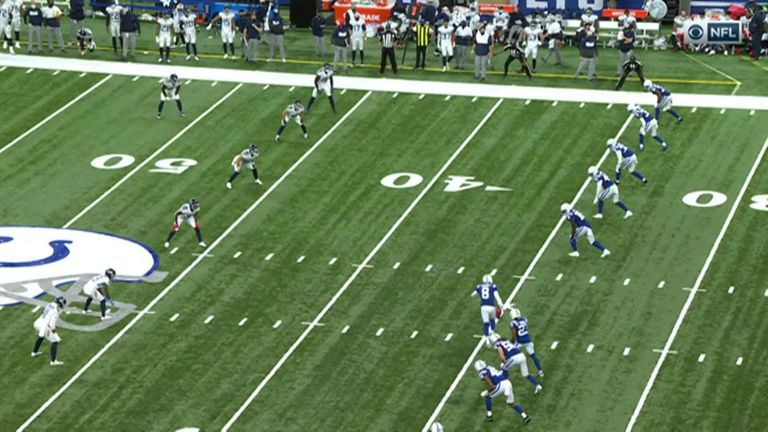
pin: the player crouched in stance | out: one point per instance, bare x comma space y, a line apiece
663, 100
187, 213
522, 337
245, 158
295, 112
45, 327
580, 227
169, 90
98, 288
85, 40
648, 124
627, 159
511, 356
497, 383
323, 83
490, 305
605, 189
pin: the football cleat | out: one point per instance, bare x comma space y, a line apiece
35, 354
229, 185
188, 57
158, 116
168, 60
526, 420
680, 120
598, 216
258, 181
226, 55
645, 182
167, 245
489, 418
641, 147
306, 136
202, 244
106, 317
574, 254
57, 363
541, 374
277, 137
197, 58
664, 147
605, 253
538, 389
160, 60
628, 214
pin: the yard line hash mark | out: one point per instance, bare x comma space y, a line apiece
269, 257
208, 320
242, 322
83, 74
396, 266
626, 352
661, 284
30, 70
554, 103
590, 348
56, 72
593, 279
693, 110
626, 282
448, 337
345, 329
136, 78
265, 87
581, 105
174, 317
332, 261
276, 324
394, 95
428, 268
460, 270
174, 250
559, 277
702, 356
380, 331
447, 98
292, 89
414, 334
493, 272
35, 309
214, 84
554, 345
237, 255
739, 361
731, 289
474, 99
301, 258
438, 175
343, 91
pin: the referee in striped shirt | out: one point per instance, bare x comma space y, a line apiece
388, 40
422, 42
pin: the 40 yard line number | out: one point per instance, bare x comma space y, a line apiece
709, 199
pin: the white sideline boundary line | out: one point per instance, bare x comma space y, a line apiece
186, 271
518, 286
367, 259
149, 158
402, 86
51, 116
695, 288
710, 67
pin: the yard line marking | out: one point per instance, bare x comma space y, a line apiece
523, 277
373, 252
693, 110
1, 308
722, 111
269, 257
30, 70
448, 337
702, 356
83, 74
194, 263
265, 87
237, 255
379, 331
661, 284
413, 335
730, 290
187, 82
3, 68
312, 324
174, 250
518, 286
447, 98
202, 254
421, 96
460, 270
739, 361
208, 320
276, 324
362, 265
343, 91
136, 78
56, 72
292, 89
54, 114
554, 345
214, 84
528, 102
428, 268
581, 105
35, 309
626, 282
554, 103
396, 266
474, 99
345, 329
174, 317
478, 336
691, 289
395, 95
766, 293
590, 348
143, 163
706, 65
493, 272
242, 322
559, 277
609, 106
751, 112
699, 279
626, 351
301, 258
332, 261
658, 351
592, 279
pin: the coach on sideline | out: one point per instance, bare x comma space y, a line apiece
52, 16
76, 18
34, 17
129, 26
388, 40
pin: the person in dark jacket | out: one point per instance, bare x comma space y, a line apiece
756, 17
252, 36
34, 18
318, 34
276, 35
587, 53
76, 18
129, 28
626, 46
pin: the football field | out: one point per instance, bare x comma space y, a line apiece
336, 296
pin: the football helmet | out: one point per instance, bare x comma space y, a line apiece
514, 313
480, 365
487, 279
174, 78
61, 302
592, 170
647, 84
631, 107
253, 149
565, 207
110, 273
610, 142
494, 337
194, 204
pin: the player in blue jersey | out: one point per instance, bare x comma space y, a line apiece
663, 100
605, 189
626, 159
511, 357
522, 337
648, 124
497, 383
580, 227
490, 303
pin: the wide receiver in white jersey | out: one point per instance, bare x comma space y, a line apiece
532, 42
163, 37
227, 18
45, 328
357, 28
445, 42
293, 112
186, 213
114, 12
98, 288
247, 159
188, 26
500, 21
323, 83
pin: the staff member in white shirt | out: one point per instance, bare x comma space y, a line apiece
52, 15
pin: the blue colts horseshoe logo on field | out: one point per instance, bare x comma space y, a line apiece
60, 251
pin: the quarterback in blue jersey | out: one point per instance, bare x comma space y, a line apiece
511, 357
663, 100
521, 336
648, 124
605, 189
580, 227
490, 303
626, 159
497, 383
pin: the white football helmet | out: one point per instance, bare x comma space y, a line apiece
647, 84
514, 313
487, 279
436, 427
631, 107
564, 207
493, 338
610, 142
592, 170
479, 365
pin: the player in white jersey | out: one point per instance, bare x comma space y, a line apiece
45, 328
247, 159
500, 21
163, 37
17, 11
170, 90
186, 213
178, 31
445, 42
293, 112
358, 29
5, 26
324, 84
227, 19
532, 42
114, 12
554, 37
187, 22
98, 288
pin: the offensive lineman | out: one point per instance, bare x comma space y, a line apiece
295, 112
647, 124
445, 42
169, 90
490, 305
245, 158
511, 356
497, 383
323, 83
114, 12
580, 227
187, 213
98, 288
626, 159
357, 26
17, 11
605, 188
227, 18
663, 100
532, 42
45, 327
163, 36
522, 337
187, 23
